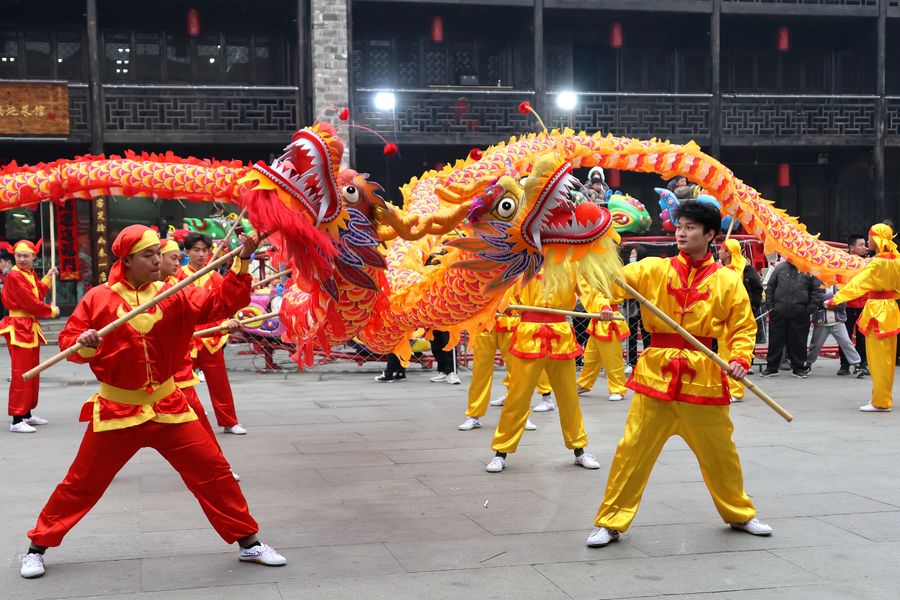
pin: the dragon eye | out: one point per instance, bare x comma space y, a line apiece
506, 208
351, 194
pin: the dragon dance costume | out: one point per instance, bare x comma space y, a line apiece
880, 318
23, 296
604, 347
139, 404
679, 391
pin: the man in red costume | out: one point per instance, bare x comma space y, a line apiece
208, 352
139, 404
23, 296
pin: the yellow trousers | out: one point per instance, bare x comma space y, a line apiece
597, 354
524, 375
486, 345
882, 356
651, 422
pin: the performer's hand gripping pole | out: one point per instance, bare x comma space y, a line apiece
136, 311
242, 322
702, 347
559, 311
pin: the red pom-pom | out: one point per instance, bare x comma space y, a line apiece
390, 149
587, 212
344, 115
524, 107
475, 154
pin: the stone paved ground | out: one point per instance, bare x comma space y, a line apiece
371, 492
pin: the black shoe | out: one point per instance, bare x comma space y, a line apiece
768, 373
807, 368
843, 371
860, 372
400, 376
800, 374
385, 377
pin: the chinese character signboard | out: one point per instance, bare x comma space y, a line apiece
67, 241
34, 109
100, 214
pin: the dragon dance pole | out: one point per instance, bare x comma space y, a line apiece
559, 311
135, 312
52, 252
702, 347
223, 327
271, 278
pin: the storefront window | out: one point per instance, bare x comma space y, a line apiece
147, 57
178, 59
69, 56
20, 224
117, 57
209, 59
9, 55
37, 54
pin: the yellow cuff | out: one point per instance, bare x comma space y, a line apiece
240, 266
86, 352
54, 312
46, 280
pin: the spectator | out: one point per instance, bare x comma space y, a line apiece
596, 186
393, 370
682, 189
791, 297
446, 359
856, 245
831, 321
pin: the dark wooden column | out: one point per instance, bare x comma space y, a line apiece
880, 113
715, 107
539, 76
99, 206
302, 58
351, 84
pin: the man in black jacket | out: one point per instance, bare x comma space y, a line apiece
792, 297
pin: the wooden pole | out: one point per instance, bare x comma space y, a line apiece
53, 252
218, 248
271, 278
559, 311
730, 227
223, 327
702, 347
135, 312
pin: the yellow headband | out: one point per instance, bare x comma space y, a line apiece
884, 237
170, 246
149, 238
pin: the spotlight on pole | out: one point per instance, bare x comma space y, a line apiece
385, 101
566, 101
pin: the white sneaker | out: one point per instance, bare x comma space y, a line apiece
32, 565
200, 375
453, 379
869, 408
236, 429
754, 526
601, 536
616, 397
543, 406
588, 461
499, 401
21, 427
735, 399
497, 464
262, 554
36, 420
628, 369
469, 424
439, 378
236, 476
529, 426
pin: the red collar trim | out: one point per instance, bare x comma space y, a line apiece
696, 264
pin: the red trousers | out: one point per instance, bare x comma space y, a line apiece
187, 448
213, 367
193, 400
23, 395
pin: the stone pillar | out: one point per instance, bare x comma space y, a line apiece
330, 68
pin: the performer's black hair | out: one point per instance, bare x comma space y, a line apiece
701, 212
856, 236
194, 237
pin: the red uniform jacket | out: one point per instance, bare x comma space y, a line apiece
23, 295
136, 363
215, 342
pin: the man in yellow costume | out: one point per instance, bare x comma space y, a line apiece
678, 390
543, 342
880, 318
604, 347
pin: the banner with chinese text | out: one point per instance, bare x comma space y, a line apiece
34, 108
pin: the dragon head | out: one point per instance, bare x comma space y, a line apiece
629, 215
520, 224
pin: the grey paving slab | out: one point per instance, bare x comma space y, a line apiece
258, 591
634, 578
523, 583
66, 580
869, 563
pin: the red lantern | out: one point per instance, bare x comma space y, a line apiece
613, 179
615, 35
783, 39
193, 22
784, 175
437, 29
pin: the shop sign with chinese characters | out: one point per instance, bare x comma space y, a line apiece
34, 108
